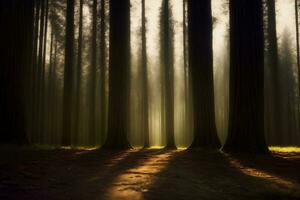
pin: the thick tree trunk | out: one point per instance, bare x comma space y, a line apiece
17, 20
145, 105
119, 59
246, 120
68, 72
201, 65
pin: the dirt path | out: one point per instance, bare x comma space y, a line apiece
147, 174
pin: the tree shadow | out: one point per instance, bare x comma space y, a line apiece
202, 174
149, 174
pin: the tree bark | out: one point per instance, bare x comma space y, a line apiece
201, 65
276, 122
92, 97
78, 74
246, 120
297, 43
168, 73
68, 72
119, 59
145, 104
103, 103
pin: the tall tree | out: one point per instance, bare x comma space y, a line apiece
39, 70
297, 40
79, 71
168, 73
201, 65
246, 121
92, 97
42, 78
34, 70
68, 72
145, 104
48, 100
17, 18
103, 106
119, 55
272, 53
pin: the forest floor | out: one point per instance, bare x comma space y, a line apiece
28, 173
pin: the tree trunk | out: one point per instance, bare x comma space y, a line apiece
168, 72
39, 71
34, 71
42, 81
78, 75
201, 65
297, 43
272, 50
68, 72
119, 58
16, 38
103, 104
92, 97
246, 120
49, 100
145, 104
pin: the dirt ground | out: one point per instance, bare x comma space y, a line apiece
146, 174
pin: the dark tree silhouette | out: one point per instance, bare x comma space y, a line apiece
68, 72
246, 121
167, 74
79, 71
201, 66
103, 104
17, 20
119, 55
272, 53
40, 71
297, 42
92, 92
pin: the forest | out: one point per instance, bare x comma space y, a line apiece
150, 99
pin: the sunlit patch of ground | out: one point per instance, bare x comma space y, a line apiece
132, 183
29, 173
285, 149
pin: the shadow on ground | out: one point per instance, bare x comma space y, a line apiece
146, 174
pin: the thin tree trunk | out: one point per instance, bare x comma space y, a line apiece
297, 43
42, 83
92, 106
186, 114
79, 71
49, 102
35, 71
145, 104
276, 121
103, 104
39, 70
